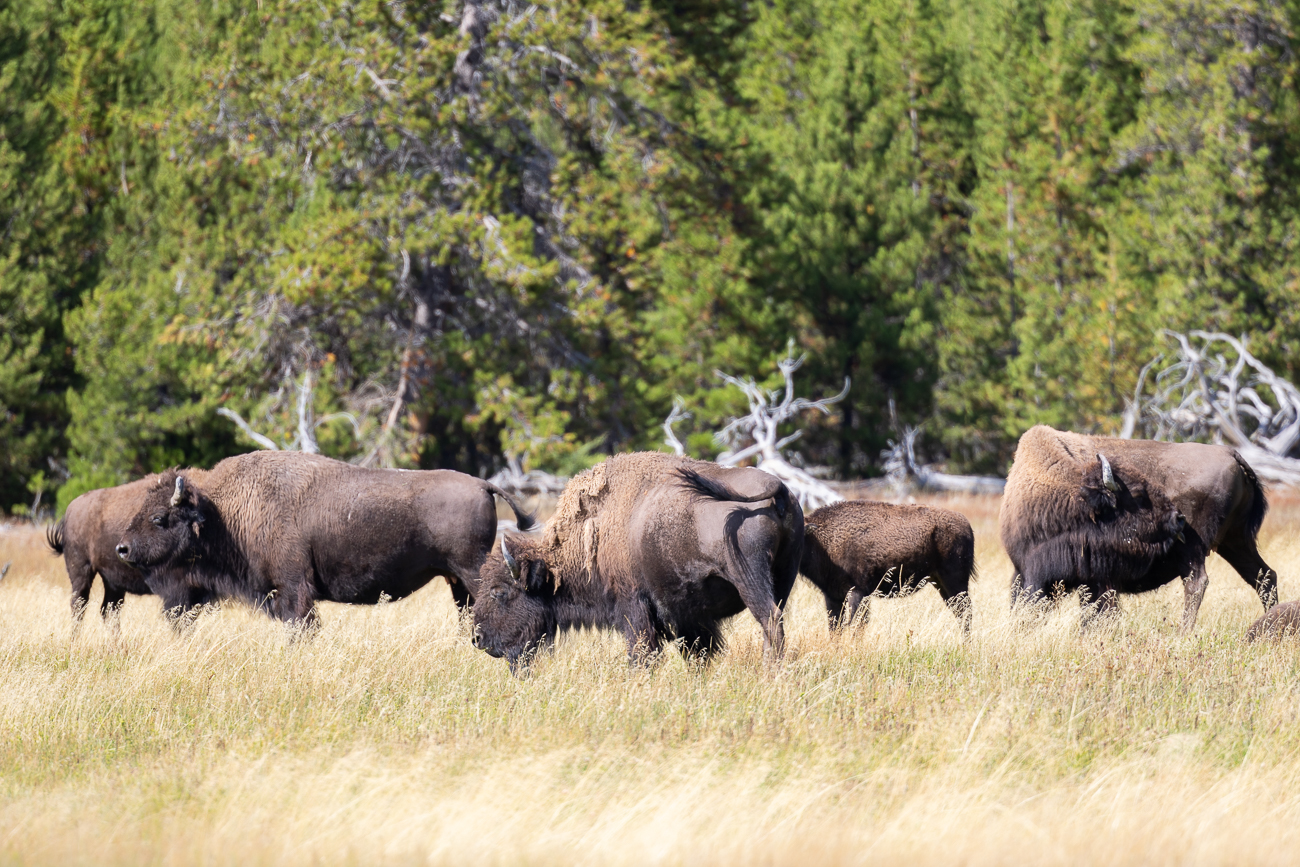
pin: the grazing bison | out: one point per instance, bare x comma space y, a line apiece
1281, 621
1127, 516
855, 550
284, 529
656, 546
87, 538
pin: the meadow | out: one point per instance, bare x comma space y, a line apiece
388, 738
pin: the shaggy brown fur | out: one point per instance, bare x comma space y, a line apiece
657, 546
87, 538
1210, 486
284, 529
855, 550
1283, 621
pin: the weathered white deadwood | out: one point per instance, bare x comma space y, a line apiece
306, 429
1203, 394
262, 441
756, 435
907, 473
305, 437
670, 438
534, 483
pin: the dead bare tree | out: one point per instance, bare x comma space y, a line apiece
756, 435
305, 437
1202, 394
907, 473
670, 438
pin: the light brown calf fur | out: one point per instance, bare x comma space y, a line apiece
1282, 621
858, 549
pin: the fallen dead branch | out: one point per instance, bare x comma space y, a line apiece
1215, 390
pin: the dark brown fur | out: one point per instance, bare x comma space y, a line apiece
1045, 504
659, 547
87, 537
858, 549
284, 529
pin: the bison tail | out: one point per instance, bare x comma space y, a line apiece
54, 537
1258, 502
719, 490
524, 520
968, 558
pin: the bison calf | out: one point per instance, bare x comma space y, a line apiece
855, 550
1282, 621
87, 539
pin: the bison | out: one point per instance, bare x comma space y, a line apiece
1281, 621
285, 529
659, 547
1126, 516
87, 538
855, 550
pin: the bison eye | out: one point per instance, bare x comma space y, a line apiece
499, 595
157, 520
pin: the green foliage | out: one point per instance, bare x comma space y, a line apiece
487, 232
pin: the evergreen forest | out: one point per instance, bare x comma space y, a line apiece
467, 233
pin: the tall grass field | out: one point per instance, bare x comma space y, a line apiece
387, 738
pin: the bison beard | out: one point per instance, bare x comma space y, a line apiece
283, 529
659, 547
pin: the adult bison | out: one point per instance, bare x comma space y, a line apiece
1127, 516
657, 546
857, 549
87, 538
284, 529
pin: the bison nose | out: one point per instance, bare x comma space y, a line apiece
123, 550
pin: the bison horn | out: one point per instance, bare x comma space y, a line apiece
1107, 475
511, 563
180, 491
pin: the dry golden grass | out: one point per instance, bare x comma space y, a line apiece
388, 738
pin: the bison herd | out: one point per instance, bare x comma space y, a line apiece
660, 548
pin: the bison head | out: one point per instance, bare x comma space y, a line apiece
1125, 526
166, 529
514, 608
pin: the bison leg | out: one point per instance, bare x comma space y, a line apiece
1193, 592
82, 576
1096, 603
959, 605
181, 604
638, 624
1244, 557
460, 595
110, 610
699, 641
762, 604
296, 606
852, 612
